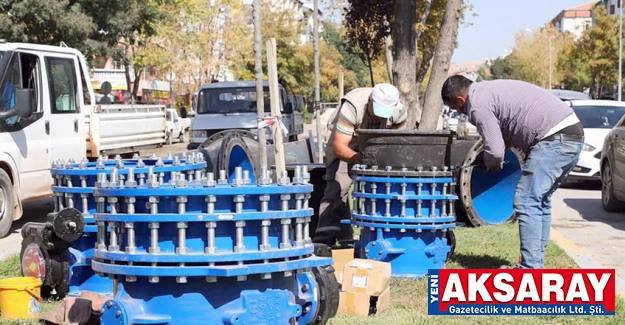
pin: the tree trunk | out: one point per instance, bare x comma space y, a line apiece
404, 66
388, 50
135, 86
444, 51
370, 70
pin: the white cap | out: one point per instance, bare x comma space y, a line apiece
385, 99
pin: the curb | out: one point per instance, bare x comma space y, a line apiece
581, 259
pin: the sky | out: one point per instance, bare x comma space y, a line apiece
492, 31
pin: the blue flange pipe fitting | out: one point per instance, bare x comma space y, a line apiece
219, 251
65, 261
405, 217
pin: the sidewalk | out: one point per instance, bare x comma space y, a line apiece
582, 259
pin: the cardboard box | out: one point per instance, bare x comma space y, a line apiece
366, 277
340, 258
359, 304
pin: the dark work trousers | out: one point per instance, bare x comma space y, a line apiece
334, 205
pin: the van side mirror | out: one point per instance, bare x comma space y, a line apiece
23, 104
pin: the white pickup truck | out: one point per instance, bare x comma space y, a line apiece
48, 112
177, 127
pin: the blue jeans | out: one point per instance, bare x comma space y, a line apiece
546, 165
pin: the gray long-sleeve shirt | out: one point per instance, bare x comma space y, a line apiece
514, 111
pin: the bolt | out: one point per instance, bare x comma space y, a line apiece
159, 162
305, 287
118, 157
71, 225
420, 168
119, 164
284, 179
356, 167
169, 156
109, 304
238, 177
140, 163
176, 161
135, 156
433, 168
388, 168
181, 181
222, 177
100, 164
297, 178
83, 163
404, 169
131, 182
118, 313
153, 156
445, 168
69, 165
210, 180
374, 167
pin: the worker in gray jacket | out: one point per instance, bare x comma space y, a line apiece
362, 108
511, 113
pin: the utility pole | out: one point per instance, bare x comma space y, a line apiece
620, 49
317, 105
550, 73
258, 74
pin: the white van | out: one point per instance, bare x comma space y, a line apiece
232, 105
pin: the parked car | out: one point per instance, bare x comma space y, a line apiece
450, 122
598, 117
613, 169
564, 94
177, 127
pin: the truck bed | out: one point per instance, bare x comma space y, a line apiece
119, 129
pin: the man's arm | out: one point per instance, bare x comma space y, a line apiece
488, 127
401, 119
342, 149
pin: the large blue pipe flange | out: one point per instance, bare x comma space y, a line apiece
224, 250
404, 216
68, 260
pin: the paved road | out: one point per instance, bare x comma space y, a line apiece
593, 237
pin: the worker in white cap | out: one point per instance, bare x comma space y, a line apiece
362, 108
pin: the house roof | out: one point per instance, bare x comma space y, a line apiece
586, 6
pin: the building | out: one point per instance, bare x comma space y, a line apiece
612, 6
575, 20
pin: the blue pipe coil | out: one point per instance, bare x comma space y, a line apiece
73, 186
215, 252
404, 218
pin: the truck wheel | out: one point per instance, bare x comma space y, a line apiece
168, 139
6, 203
183, 136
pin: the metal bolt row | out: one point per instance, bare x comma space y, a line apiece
403, 169
446, 205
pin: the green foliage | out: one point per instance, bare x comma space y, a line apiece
367, 23
593, 59
356, 74
45, 22
500, 68
295, 61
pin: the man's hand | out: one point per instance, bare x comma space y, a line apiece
342, 149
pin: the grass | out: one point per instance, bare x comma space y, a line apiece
484, 247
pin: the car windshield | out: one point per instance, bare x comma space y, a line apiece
230, 100
599, 117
